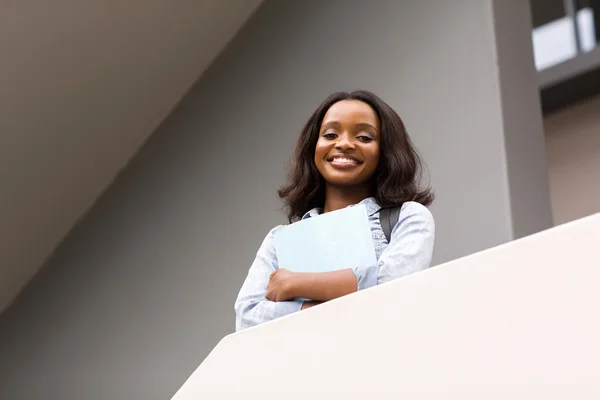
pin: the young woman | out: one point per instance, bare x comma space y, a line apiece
354, 149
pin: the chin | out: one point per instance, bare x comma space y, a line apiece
345, 180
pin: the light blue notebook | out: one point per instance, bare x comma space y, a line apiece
336, 240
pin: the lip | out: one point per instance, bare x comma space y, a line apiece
333, 161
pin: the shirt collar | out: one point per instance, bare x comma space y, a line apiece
372, 208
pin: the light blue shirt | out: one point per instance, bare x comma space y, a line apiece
409, 251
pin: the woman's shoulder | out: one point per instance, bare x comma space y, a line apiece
268, 242
416, 212
273, 231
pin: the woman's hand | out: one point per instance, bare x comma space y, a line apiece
281, 285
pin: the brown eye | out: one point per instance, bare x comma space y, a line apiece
365, 139
329, 135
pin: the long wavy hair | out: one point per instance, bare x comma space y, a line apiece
396, 180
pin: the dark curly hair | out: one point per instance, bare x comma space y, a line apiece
396, 180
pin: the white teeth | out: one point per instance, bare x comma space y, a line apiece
344, 160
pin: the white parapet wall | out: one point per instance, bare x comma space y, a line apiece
519, 321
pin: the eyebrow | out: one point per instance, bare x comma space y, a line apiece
359, 125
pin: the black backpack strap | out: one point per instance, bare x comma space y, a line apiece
388, 217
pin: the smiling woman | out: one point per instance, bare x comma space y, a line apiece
354, 149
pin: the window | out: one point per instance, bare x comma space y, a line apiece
562, 29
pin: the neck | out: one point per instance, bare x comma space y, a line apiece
337, 197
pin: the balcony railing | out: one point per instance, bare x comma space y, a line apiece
518, 321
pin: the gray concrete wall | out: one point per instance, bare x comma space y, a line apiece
143, 288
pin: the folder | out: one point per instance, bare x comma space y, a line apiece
332, 241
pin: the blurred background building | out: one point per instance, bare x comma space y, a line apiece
565, 39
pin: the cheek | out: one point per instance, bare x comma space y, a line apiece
320, 151
374, 155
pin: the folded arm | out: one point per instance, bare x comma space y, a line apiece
270, 292
251, 306
321, 286
410, 250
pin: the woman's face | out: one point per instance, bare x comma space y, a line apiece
347, 152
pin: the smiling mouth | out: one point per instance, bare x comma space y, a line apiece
344, 160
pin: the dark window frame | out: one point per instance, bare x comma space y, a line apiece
578, 78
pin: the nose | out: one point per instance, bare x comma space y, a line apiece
344, 143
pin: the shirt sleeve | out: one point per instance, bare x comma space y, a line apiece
410, 249
411, 244
251, 306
